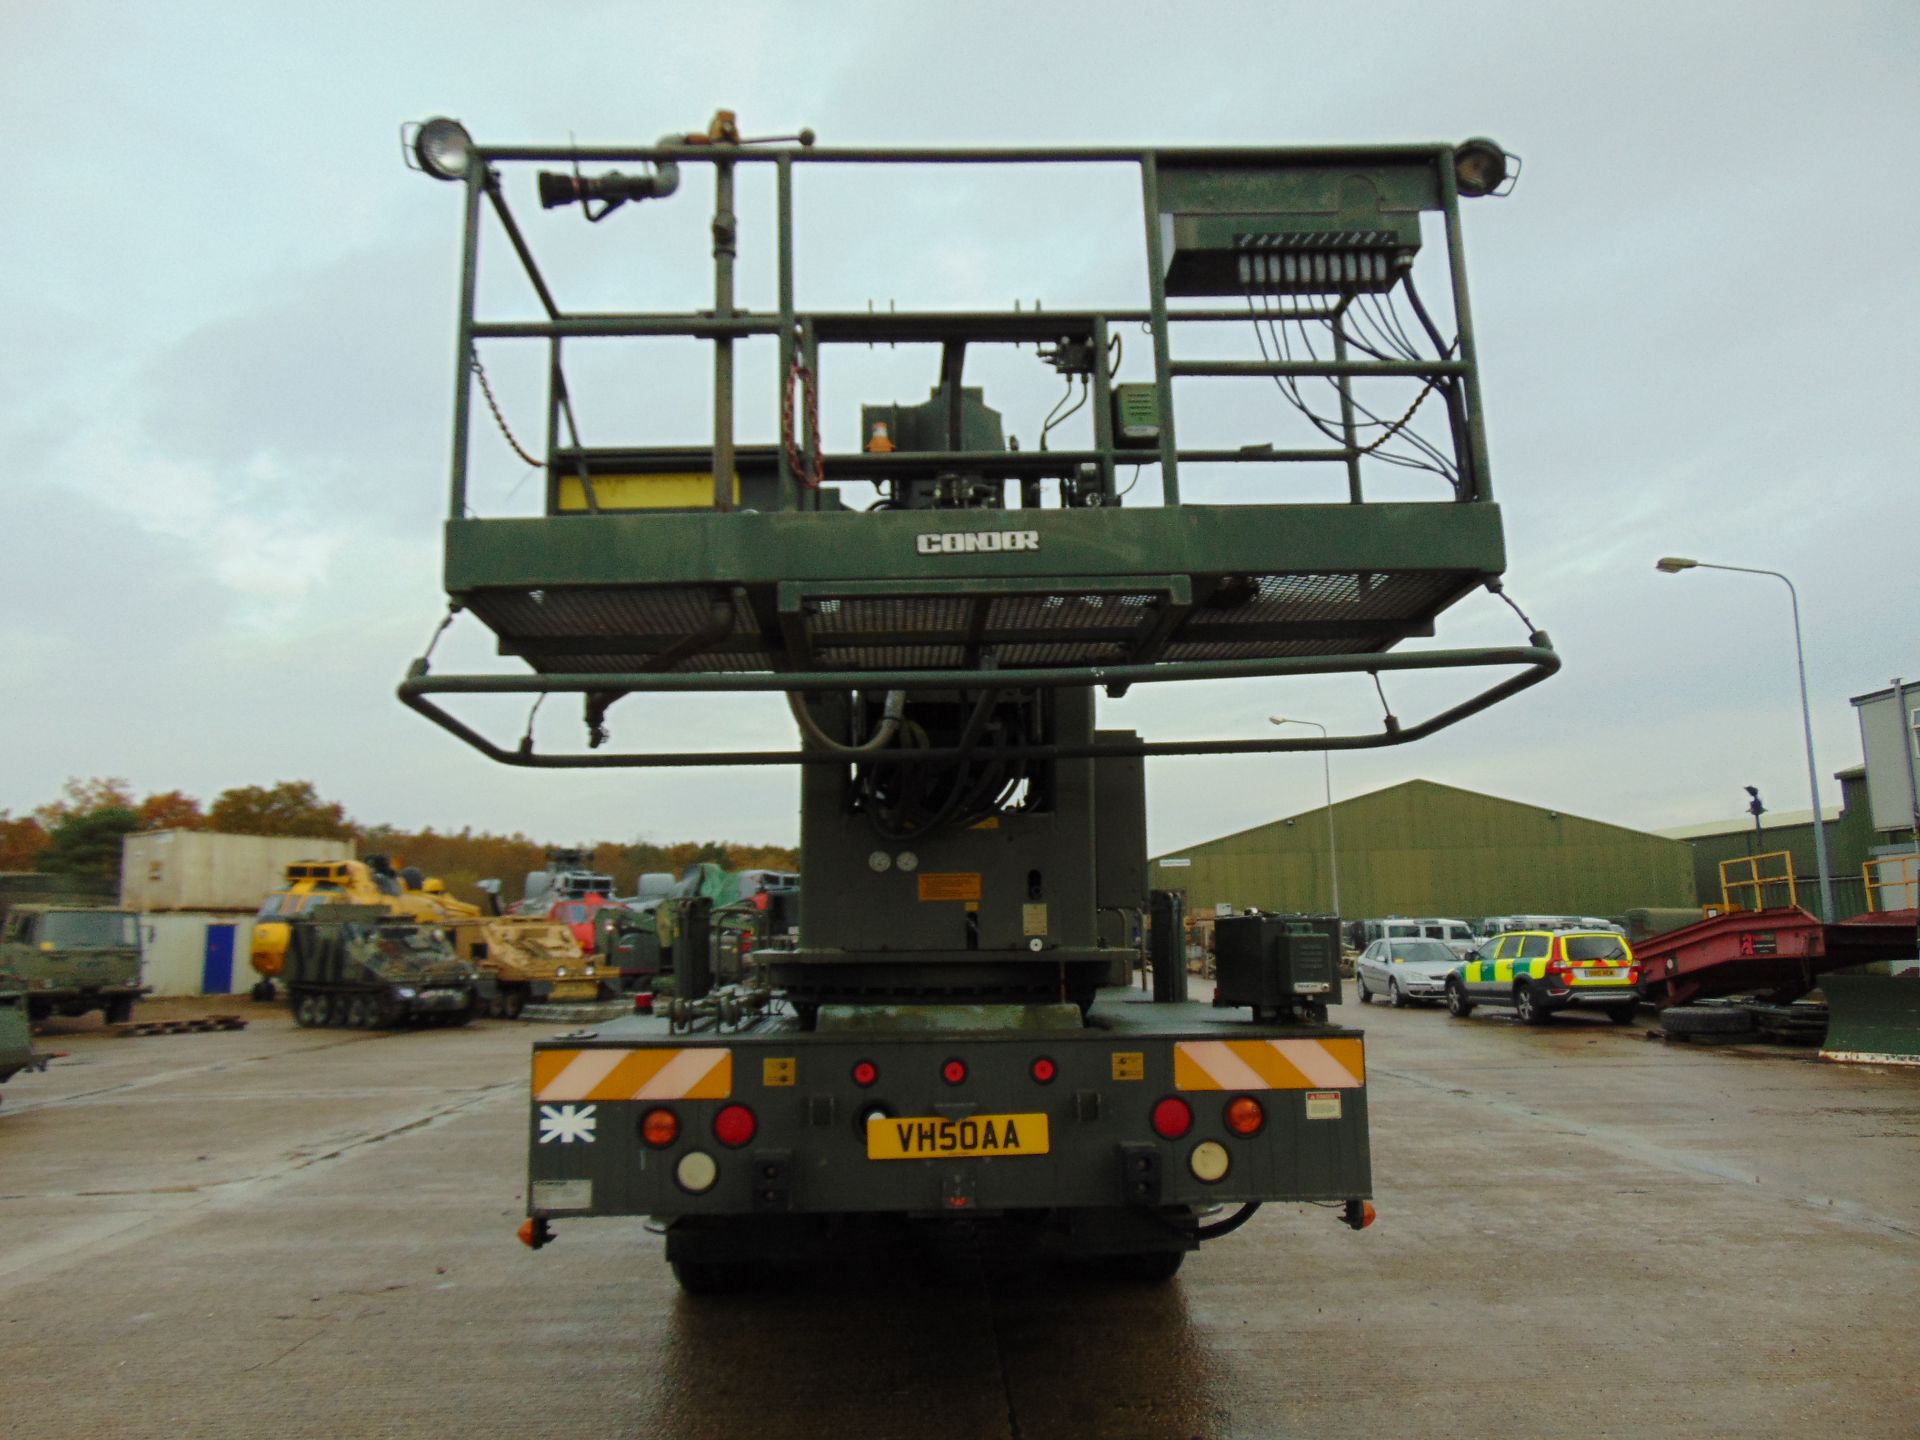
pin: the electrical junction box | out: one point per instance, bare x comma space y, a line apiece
1276, 962
1136, 415
1326, 228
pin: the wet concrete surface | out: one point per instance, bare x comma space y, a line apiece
309, 1233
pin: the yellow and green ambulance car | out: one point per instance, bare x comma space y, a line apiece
1540, 971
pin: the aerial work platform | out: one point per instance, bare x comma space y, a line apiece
757, 564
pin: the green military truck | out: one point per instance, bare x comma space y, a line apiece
950, 1039
16, 1039
359, 966
70, 951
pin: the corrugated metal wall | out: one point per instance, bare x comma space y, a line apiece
1428, 849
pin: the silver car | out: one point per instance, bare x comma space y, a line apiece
1404, 970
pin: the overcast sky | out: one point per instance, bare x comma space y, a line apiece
226, 361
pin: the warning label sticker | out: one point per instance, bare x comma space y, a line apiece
952, 885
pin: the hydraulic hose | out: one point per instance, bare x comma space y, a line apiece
1227, 1226
891, 715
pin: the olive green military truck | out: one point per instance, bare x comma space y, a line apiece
16, 1041
69, 953
949, 1040
358, 966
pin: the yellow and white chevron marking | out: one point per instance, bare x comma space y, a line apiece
705, 1073
1269, 1064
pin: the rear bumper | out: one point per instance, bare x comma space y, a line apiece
808, 1154
1588, 997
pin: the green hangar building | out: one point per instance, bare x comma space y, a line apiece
1422, 848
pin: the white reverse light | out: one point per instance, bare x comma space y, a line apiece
696, 1172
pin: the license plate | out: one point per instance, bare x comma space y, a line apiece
1604, 975
932, 1137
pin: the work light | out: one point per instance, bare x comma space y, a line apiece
444, 148
1479, 166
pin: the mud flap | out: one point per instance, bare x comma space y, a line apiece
1872, 1019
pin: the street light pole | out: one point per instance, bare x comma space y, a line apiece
1673, 565
1326, 774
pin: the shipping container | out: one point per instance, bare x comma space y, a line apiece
163, 870
195, 953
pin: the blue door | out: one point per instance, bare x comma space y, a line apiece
216, 969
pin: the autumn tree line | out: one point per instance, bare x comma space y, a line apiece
79, 834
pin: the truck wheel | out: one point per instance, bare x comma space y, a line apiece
516, 1002
1529, 1010
1360, 992
359, 1012
118, 1010
306, 1013
1705, 1020
1149, 1267
496, 1006
1458, 1005
712, 1277
336, 1010
1396, 995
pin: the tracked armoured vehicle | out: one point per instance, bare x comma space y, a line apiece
532, 961
357, 966
308, 885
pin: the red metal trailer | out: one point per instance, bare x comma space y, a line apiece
1774, 953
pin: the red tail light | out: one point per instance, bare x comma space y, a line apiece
1172, 1118
734, 1126
1043, 1070
865, 1072
954, 1071
660, 1128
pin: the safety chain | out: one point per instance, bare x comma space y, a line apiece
1398, 425
494, 405
808, 476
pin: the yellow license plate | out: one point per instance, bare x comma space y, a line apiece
1604, 975
931, 1137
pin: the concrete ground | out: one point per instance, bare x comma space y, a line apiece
310, 1233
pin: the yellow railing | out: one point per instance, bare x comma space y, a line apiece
1905, 881
1750, 891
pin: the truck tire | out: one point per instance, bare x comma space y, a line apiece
712, 1277
1705, 1020
336, 1010
1529, 1010
306, 1012
1458, 1005
1149, 1267
118, 1010
516, 1002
